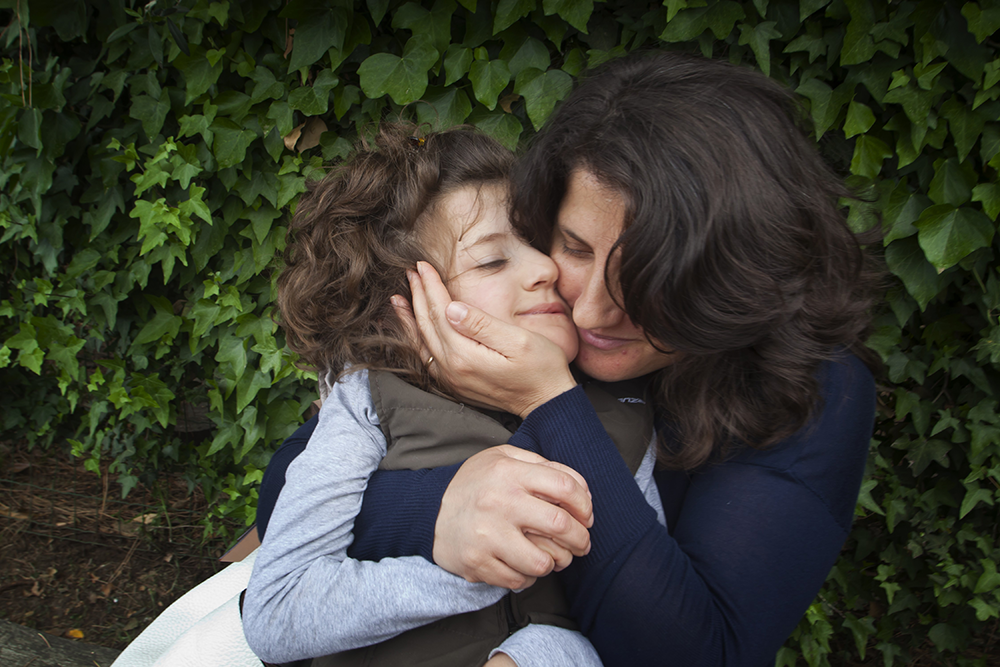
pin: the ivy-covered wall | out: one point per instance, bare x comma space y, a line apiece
150, 152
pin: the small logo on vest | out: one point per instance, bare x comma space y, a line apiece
631, 399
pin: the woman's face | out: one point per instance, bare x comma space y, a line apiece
494, 270
589, 222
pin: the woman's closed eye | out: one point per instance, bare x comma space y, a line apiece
573, 252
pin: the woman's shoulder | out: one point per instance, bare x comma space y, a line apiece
841, 425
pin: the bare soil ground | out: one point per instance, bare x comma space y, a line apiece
76, 561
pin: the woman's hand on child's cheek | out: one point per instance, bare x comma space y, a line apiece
496, 498
481, 358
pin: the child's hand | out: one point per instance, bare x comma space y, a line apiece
500, 660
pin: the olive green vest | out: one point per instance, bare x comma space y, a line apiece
426, 431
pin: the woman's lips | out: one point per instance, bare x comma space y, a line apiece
602, 342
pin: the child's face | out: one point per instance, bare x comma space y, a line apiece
494, 270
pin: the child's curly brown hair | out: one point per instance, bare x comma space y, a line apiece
354, 234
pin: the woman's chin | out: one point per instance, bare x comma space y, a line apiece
622, 363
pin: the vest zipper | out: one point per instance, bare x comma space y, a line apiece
508, 608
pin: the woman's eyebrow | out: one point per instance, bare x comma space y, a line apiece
567, 233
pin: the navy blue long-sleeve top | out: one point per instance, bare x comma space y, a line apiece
747, 546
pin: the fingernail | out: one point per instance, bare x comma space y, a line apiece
411, 275
456, 312
421, 267
396, 301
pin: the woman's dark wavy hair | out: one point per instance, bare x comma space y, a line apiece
735, 252
354, 234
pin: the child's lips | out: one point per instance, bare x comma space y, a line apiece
546, 309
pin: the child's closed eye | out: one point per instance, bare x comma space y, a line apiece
493, 264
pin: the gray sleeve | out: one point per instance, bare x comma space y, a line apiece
549, 646
305, 597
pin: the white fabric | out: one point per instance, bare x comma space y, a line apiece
201, 629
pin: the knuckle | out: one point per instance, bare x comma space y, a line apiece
559, 522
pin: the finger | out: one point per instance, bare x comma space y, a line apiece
531, 457
405, 314
421, 312
561, 556
541, 517
554, 483
503, 576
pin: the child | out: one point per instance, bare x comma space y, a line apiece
441, 198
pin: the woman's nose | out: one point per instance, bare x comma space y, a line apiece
594, 307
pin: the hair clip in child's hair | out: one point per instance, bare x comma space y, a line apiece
418, 142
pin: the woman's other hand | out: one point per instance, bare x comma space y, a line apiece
510, 516
481, 358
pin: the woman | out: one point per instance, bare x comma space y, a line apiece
700, 244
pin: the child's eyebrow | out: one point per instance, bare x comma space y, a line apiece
488, 238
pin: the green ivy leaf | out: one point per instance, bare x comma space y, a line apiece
509, 11
541, 91
574, 12
531, 53
989, 195
377, 9
759, 38
163, 324
323, 31
965, 124
859, 119
989, 580
232, 351
905, 258
152, 112
489, 78
199, 75
952, 182
825, 102
948, 234
982, 23
946, 637
858, 45
974, 495
869, 154
314, 100
29, 129
503, 127
899, 211
403, 79
446, 107
456, 63
231, 142
433, 24
248, 387
809, 7
813, 44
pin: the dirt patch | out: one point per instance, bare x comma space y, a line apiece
103, 594
77, 561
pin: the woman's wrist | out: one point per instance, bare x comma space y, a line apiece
542, 395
